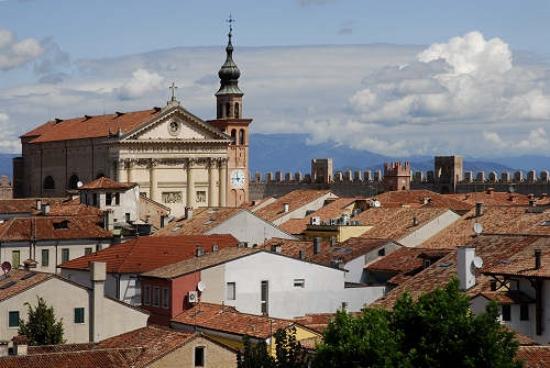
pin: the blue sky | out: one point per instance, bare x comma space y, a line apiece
394, 77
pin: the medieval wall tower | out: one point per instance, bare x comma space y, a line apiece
397, 176
448, 172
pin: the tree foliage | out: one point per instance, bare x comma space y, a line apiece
438, 330
41, 327
288, 352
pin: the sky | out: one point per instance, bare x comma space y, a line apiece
394, 77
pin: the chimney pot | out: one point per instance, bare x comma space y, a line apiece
465, 257
479, 209
538, 263
286, 208
38, 204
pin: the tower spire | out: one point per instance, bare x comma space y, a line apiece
229, 72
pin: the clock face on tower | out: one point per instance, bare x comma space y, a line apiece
237, 178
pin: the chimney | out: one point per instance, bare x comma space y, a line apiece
415, 221
276, 248
98, 275
20, 345
38, 204
188, 213
532, 203
45, 209
538, 254
302, 254
286, 208
464, 267
199, 252
490, 191
215, 248
479, 209
316, 245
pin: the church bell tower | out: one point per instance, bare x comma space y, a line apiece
229, 111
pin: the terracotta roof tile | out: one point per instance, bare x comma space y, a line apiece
534, 356
229, 320
106, 183
58, 207
52, 228
333, 209
150, 252
523, 263
495, 220
507, 297
189, 265
416, 198
90, 127
491, 198
203, 219
17, 281
295, 199
396, 223
491, 248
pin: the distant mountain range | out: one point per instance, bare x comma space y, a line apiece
289, 152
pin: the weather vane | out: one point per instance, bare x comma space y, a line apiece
230, 20
173, 88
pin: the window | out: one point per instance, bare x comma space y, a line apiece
265, 297
108, 199
147, 295
94, 199
127, 217
227, 110
156, 296
13, 319
299, 283
231, 291
241, 136
15, 258
237, 110
506, 312
381, 252
199, 356
117, 199
45, 257
73, 182
233, 136
65, 255
98, 247
49, 183
87, 251
165, 298
524, 312
201, 196
79, 315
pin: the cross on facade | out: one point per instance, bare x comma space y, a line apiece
173, 88
230, 20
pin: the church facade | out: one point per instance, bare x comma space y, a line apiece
176, 158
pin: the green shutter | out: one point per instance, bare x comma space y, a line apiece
79, 315
14, 319
45, 257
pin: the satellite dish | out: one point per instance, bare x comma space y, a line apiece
377, 204
201, 286
79, 184
6, 266
478, 262
478, 228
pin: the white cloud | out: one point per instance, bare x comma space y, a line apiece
535, 140
15, 53
8, 143
142, 82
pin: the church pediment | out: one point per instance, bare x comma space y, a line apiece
176, 123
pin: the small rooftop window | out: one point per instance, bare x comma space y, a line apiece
61, 225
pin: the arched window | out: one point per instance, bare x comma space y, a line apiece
49, 183
227, 110
233, 136
73, 182
237, 111
241, 136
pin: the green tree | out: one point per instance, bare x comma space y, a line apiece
41, 327
288, 352
438, 330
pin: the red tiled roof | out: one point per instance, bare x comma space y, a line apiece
52, 228
534, 356
333, 209
150, 252
523, 263
495, 220
491, 248
90, 127
17, 281
405, 259
203, 220
491, 198
396, 223
416, 198
229, 320
295, 199
106, 183
507, 296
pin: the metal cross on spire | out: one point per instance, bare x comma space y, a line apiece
230, 20
173, 88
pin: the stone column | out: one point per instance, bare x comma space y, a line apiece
121, 173
223, 182
213, 194
130, 171
190, 184
153, 192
